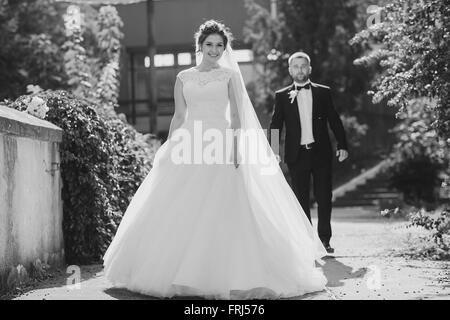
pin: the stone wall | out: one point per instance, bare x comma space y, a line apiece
31, 237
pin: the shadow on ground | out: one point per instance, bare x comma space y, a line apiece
124, 294
336, 272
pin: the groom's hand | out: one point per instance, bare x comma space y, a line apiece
342, 154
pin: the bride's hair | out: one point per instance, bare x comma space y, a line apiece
212, 27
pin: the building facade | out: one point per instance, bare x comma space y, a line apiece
174, 25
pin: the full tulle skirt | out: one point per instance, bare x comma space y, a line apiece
193, 230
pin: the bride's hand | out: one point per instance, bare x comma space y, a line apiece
235, 153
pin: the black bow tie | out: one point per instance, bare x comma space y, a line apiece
306, 86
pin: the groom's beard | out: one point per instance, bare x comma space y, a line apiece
301, 78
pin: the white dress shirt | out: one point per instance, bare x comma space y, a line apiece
304, 103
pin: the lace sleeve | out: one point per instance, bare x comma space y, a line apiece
182, 76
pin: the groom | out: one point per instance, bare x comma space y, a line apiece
306, 108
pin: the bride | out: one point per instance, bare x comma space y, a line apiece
211, 219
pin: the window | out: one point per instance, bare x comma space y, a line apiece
184, 59
164, 60
147, 61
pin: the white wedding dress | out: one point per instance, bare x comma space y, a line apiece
194, 229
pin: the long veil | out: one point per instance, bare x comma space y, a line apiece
267, 188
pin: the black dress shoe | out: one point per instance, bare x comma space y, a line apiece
328, 248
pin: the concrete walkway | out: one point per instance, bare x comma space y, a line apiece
364, 266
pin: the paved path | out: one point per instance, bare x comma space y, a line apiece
364, 266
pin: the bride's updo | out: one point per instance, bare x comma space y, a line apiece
212, 27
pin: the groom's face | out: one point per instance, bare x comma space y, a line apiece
299, 69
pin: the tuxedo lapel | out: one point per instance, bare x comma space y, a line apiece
294, 105
315, 108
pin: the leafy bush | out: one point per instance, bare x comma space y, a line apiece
420, 160
134, 155
429, 231
417, 178
103, 162
439, 227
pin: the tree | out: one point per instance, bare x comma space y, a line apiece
31, 33
412, 51
266, 36
76, 63
319, 27
92, 54
109, 38
414, 55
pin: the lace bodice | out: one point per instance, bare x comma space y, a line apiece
206, 93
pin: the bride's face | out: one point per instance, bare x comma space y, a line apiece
213, 48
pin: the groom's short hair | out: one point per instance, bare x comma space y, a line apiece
299, 54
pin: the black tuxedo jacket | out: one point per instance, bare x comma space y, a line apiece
323, 113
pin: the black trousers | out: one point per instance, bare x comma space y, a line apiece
314, 163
